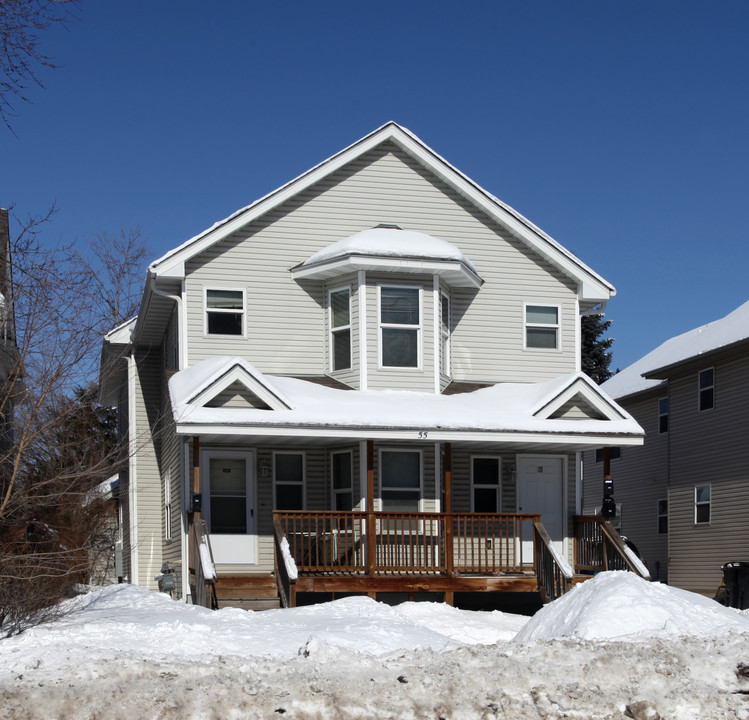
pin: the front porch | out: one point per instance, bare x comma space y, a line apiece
435, 554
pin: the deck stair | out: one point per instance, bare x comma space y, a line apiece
248, 592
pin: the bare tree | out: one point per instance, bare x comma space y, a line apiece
21, 22
62, 444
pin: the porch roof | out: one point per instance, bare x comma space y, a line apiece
505, 412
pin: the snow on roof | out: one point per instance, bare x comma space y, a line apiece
620, 605
505, 407
391, 242
734, 327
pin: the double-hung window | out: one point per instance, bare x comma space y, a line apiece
288, 480
444, 334
701, 504
400, 480
340, 328
662, 517
224, 311
342, 471
485, 484
706, 391
542, 327
400, 326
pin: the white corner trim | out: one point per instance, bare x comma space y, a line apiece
132, 490
363, 350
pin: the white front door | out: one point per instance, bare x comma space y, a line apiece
540, 484
228, 490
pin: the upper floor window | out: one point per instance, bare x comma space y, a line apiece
340, 328
224, 311
542, 326
701, 504
706, 391
444, 334
400, 326
663, 415
485, 484
288, 480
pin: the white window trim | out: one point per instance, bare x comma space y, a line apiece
709, 503
421, 474
497, 487
333, 490
700, 389
445, 363
168, 507
419, 328
332, 330
206, 288
276, 453
205, 457
557, 326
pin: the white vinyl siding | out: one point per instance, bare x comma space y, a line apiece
384, 186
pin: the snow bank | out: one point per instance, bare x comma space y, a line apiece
620, 605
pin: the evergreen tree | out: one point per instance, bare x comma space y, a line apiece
596, 349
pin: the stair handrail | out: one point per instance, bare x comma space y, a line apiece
552, 570
614, 553
285, 567
204, 566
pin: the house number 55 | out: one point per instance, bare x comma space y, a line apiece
423, 434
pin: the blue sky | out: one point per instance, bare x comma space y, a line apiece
620, 128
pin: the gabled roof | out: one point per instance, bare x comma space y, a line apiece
592, 288
648, 371
507, 412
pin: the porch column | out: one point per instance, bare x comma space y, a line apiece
448, 513
371, 549
608, 506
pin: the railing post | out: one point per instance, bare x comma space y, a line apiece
449, 559
371, 547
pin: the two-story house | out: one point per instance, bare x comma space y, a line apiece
373, 370
684, 495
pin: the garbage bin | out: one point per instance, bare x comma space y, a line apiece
736, 580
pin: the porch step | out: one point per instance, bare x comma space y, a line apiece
248, 592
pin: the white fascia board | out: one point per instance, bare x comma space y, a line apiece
122, 334
597, 440
225, 228
239, 374
456, 274
591, 286
593, 397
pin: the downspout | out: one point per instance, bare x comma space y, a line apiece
132, 467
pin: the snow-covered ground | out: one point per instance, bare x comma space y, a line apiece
614, 645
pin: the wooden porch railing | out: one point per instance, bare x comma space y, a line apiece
553, 572
284, 579
408, 543
599, 547
202, 568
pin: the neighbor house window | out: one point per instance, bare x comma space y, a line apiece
444, 334
288, 480
340, 329
400, 480
342, 471
701, 504
662, 517
167, 507
224, 311
485, 484
706, 389
400, 326
542, 326
663, 415
615, 454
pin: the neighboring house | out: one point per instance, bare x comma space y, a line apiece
378, 349
684, 496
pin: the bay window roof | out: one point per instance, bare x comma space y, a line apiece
390, 249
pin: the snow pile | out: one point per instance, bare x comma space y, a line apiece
620, 605
123, 652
